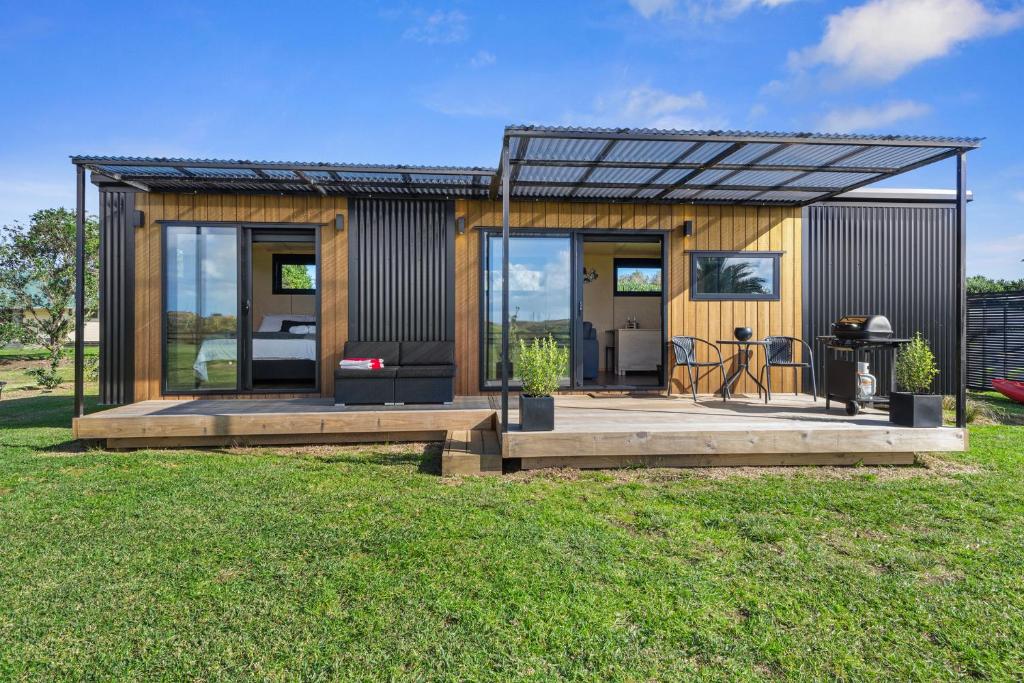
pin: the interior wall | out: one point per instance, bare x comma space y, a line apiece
608, 312
264, 301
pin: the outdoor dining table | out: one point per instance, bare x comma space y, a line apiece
743, 362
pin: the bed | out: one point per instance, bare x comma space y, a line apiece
277, 356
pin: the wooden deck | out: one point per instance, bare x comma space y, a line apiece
676, 432
606, 431
288, 421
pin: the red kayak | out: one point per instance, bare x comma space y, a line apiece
1009, 389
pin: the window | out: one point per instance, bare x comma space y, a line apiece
540, 299
741, 275
294, 273
637, 277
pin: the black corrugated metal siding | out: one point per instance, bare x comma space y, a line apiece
117, 296
401, 270
995, 338
896, 261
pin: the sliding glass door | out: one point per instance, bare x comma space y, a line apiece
540, 297
201, 308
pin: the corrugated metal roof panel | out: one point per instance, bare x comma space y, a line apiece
614, 174
556, 174
648, 150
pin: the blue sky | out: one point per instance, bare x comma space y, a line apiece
435, 82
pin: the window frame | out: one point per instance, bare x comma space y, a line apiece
776, 294
636, 262
279, 260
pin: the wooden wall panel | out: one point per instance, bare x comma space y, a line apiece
242, 209
715, 227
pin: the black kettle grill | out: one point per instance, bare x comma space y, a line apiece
863, 328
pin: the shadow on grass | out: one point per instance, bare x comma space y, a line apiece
428, 460
41, 411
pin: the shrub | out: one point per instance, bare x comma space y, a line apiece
915, 366
542, 363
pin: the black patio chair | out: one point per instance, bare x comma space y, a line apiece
778, 353
685, 349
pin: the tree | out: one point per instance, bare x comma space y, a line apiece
979, 284
37, 281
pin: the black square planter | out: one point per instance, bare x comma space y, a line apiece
536, 413
915, 410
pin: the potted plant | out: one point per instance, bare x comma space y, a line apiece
542, 363
914, 370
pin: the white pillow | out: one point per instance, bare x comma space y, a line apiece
303, 329
272, 323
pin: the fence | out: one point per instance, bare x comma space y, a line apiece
995, 338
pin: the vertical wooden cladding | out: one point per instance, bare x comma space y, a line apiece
730, 228
715, 227
237, 209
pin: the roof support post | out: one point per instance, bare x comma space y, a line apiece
505, 192
80, 291
961, 288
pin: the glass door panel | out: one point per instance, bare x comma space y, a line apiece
201, 349
540, 298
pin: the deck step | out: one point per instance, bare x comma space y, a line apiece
471, 452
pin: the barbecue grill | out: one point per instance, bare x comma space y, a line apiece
854, 336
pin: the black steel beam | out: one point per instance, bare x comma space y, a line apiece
589, 170
749, 166
79, 291
276, 165
669, 187
945, 154
505, 200
788, 185
961, 289
716, 136
678, 163
710, 163
311, 182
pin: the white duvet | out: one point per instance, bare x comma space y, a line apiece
262, 349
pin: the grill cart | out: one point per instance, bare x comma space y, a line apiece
847, 378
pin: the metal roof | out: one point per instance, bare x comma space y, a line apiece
712, 167
232, 176
580, 164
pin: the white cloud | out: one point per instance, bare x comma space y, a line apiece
481, 59
20, 198
881, 40
707, 10
646, 107
849, 120
439, 28
997, 258
648, 8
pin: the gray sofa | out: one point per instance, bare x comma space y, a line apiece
413, 372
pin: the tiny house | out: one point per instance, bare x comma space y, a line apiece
244, 280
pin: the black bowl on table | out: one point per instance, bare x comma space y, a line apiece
743, 333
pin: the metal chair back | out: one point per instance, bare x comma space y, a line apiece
685, 350
779, 350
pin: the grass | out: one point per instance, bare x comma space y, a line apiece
361, 563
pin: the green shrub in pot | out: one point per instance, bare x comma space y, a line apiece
914, 371
542, 364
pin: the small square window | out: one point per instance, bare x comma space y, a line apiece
735, 275
637, 277
294, 273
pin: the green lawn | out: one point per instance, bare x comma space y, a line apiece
361, 563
